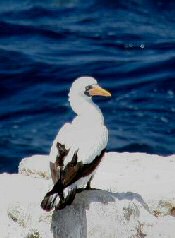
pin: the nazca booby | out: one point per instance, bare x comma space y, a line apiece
79, 146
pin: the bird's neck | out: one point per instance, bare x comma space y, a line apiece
86, 108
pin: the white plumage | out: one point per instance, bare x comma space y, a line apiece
86, 134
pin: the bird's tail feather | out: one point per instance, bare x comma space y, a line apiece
52, 201
49, 202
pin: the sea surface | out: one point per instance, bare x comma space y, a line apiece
129, 46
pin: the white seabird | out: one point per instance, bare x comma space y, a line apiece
79, 146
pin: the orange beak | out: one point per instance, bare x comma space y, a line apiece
98, 91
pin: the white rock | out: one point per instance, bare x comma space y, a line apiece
134, 187
150, 176
97, 214
35, 166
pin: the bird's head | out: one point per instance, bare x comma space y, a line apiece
88, 87
81, 92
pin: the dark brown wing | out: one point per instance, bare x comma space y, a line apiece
55, 167
76, 170
72, 172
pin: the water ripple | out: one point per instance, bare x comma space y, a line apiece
128, 46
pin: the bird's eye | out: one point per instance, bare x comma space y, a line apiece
87, 88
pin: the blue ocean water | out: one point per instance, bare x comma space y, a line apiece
129, 46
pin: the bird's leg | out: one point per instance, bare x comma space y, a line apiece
88, 186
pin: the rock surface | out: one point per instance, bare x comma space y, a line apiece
136, 199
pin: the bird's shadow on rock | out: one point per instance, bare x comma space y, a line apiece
72, 220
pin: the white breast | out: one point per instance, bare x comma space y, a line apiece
88, 137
